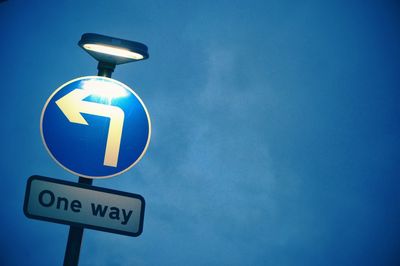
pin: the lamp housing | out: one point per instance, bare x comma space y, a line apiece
112, 51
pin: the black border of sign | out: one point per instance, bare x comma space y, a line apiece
89, 187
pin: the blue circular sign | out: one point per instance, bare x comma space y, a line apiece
95, 127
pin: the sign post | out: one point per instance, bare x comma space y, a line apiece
75, 234
94, 127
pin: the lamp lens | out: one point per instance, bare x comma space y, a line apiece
111, 50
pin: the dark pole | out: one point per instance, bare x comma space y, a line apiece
75, 234
105, 69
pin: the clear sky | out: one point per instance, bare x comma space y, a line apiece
275, 130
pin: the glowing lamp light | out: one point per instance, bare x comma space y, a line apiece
111, 50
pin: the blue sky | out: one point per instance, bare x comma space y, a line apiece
275, 130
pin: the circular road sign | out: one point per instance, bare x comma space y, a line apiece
95, 127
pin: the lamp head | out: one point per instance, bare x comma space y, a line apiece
113, 51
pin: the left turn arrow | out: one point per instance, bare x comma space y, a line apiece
73, 106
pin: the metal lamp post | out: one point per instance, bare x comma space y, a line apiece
109, 52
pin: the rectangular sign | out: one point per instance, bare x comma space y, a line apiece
83, 205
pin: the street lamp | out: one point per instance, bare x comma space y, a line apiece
110, 51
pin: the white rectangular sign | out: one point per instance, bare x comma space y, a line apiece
84, 205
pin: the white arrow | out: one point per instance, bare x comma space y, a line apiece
73, 105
